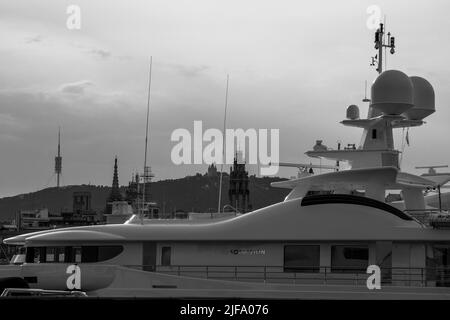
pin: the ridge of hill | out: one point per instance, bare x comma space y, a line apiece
197, 193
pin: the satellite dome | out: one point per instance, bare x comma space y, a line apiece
353, 112
319, 146
423, 99
392, 93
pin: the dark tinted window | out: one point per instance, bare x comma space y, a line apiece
302, 258
72, 254
35, 255
108, 252
165, 256
29, 255
89, 254
349, 259
76, 252
351, 199
68, 254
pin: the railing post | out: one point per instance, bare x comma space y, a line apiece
265, 274
410, 277
206, 272
235, 272
423, 282
178, 270
325, 276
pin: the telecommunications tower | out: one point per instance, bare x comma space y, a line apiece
58, 159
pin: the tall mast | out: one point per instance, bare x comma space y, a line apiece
58, 159
378, 59
380, 44
146, 169
223, 147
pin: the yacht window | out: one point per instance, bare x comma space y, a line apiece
39, 255
60, 256
374, 133
77, 254
165, 256
29, 255
108, 252
89, 254
302, 258
84, 254
438, 263
18, 259
99, 253
349, 259
50, 255
68, 254
35, 255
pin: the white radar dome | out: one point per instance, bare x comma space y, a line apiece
392, 93
423, 98
353, 112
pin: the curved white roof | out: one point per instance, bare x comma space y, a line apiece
286, 221
75, 235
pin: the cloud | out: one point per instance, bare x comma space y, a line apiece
10, 127
189, 71
76, 87
36, 39
100, 53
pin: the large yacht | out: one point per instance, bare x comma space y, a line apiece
308, 246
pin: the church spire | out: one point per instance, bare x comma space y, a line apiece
115, 184
115, 192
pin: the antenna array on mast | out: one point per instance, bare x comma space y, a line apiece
380, 44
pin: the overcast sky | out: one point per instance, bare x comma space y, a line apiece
293, 65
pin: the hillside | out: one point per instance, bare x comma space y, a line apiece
193, 193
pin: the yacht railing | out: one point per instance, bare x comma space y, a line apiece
395, 276
431, 217
15, 292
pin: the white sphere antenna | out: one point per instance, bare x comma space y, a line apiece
423, 99
392, 93
352, 112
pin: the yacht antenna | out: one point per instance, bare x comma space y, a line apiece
381, 44
146, 173
385, 57
432, 172
365, 93
223, 146
431, 169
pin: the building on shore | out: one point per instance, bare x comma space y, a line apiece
82, 212
239, 192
